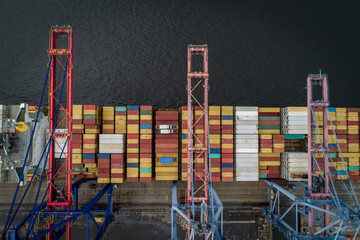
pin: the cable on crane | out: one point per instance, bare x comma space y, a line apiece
6, 227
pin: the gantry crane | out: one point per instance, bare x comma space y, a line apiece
326, 213
202, 213
61, 207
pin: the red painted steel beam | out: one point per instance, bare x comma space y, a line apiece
67, 105
313, 148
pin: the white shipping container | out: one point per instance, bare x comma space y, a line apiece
246, 108
246, 165
242, 131
247, 122
246, 150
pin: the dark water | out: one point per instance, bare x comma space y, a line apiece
134, 52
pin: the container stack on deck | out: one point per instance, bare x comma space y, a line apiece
146, 125
184, 141
132, 150
353, 142
111, 168
269, 125
166, 145
215, 142
90, 138
246, 144
294, 166
78, 130
227, 143
108, 120
120, 120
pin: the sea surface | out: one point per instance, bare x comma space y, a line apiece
134, 52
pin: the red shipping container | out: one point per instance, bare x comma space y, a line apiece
117, 165
268, 114
89, 160
227, 131
76, 145
77, 121
90, 107
92, 126
78, 131
145, 179
85, 150
132, 179
120, 113
117, 175
77, 165
90, 141
227, 150
89, 121
227, 179
132, 155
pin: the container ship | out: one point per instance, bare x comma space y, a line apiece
193, 148
114, 144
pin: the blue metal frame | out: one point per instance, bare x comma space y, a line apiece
213, 229
60, 218
343, 217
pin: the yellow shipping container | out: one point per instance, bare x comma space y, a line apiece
132, 174
227, 145
278, 145
269, 163
90, 146
214, 122
146, 161
226, 108
338, 109
133, 117
266, 150
132, 150
269, 155
269, 109
90, 165
77, 116
103, 180
215, 169
117, 180
227, 174
92, 131
117, 170
166, 169
133, 141
227, 136
145, 136
90, 112
90, 136
77, 150
269, 131
166, 155
166, 178
175, 164
199, 131
266, 136
146, 131
227, 122
145, 117
108, 126
215, 141
120, 118
78, 126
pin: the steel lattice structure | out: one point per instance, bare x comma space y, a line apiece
202, 212
327, 215
61, 207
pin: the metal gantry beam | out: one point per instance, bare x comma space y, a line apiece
202, 213
55, 87
327, 215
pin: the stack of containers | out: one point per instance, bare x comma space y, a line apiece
92, 119
108, 120
120, 120
133, 137
146, 143
90, 138
76, 140
117, 167
227, 143
246, 144
294, 143
353, 142
103, 175
294, 166
294, 120
90, 149
199, 140
278, 143
110, 144
269, 125
342, 139
166, 145
215, 142
184, 141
